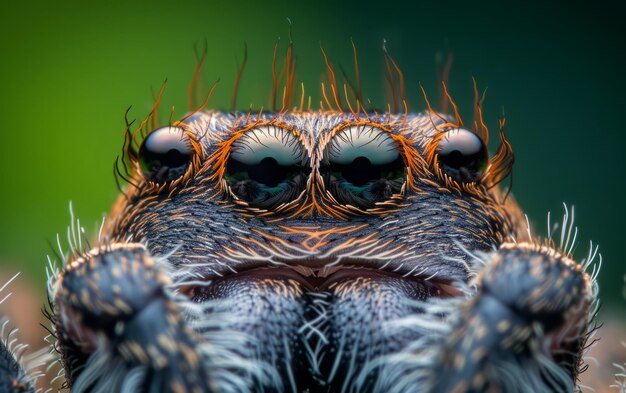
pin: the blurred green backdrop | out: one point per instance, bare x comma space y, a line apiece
68, 72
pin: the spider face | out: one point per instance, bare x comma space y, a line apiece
315, 194
316, 251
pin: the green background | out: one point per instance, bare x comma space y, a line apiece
68, 72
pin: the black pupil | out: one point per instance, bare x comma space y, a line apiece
165, 154
459, 159
173, 158
267, 172
266, 183
360, 171
362, 182
463, 155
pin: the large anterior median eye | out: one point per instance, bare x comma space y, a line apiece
267, 167
165, 154
462, 155
363, 165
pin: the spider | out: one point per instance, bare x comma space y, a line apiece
331, 249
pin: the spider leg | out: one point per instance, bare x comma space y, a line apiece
122, 330
13, 378
521, 328
16, 374
525, 328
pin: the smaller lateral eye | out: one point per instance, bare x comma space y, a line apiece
165, 154
462, 155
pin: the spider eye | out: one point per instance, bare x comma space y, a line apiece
462, 155
362, 165
266, 167
165, 154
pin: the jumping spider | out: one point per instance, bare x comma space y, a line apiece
338, 249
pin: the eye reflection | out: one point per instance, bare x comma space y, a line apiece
165, 154
267, 167
462, 155
362, 165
